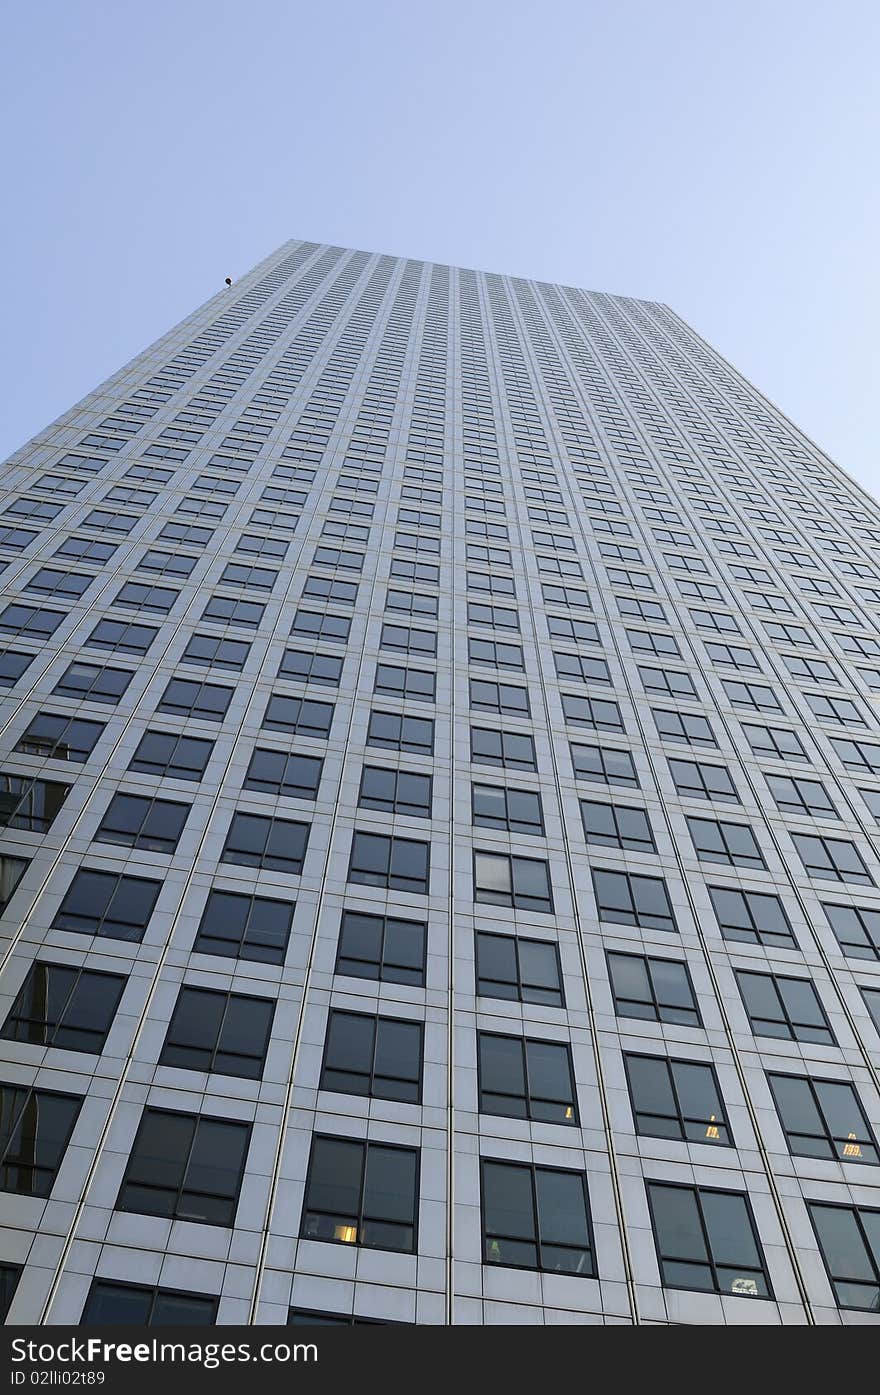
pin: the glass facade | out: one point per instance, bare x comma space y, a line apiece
439, 803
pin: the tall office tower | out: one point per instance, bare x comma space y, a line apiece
441, 777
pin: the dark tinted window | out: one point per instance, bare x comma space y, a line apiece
244, 927
382, 947
536, 1218
223, 1032
378, 1056
361, 1193
111, 1304
186, 1167
58, 1005
107, 904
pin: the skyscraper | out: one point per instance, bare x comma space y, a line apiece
440, 786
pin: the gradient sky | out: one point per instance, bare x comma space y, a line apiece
718, 155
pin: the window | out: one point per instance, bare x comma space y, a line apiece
406, 640
754, 695
395, 792
34, 1134
495, 653
237, 574
734, 655
120, 637
134, 596
697, 781
302, 666
872, 1002
174, 757
605, 763
13, 664
223, 1032
716, 840
70, 1008
498, 616
816, 669
395, 732
518, 969
631, 606
206, 701
17, 539
536, 1218
516, 811
487, 696
706, 1240
108, 904
382, 947
187, 1167
48, 581
598, 713
28, 620
228, 612
566, 627
683, 726
361, 1194
416, 684
628, 899
776, 742
834, 709
173, 564
60, 738
565, 595
91, 683
667, 681
260, 546
577, 667
401, 864
110, 1303
495, 584
715, 620
655, 990
823, 1119
857, 755
405, 570
35, 508
788, 634
520, 882
332, 629
255, 840
256, 928
288, 776
339, 557
520, 1078
797, 796
831, 859
643, 642
153, 825
216, 653
9, 1277
376, 1056
676, 1099
30, 804
106, 522
788, 1008
502, 748
849, 1240
857, 929
298, 716
617, 826
752, 916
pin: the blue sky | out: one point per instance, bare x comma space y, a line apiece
718, 156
